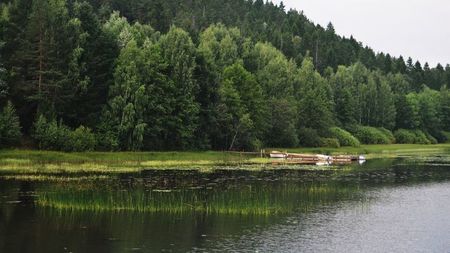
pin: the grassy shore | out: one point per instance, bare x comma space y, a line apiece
47, 162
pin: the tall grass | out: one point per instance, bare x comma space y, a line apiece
263, 199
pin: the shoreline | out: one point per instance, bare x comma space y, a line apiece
49, 162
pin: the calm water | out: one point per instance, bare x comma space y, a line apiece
400, 205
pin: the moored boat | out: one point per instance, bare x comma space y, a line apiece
319, 159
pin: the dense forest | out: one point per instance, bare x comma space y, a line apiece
203, 74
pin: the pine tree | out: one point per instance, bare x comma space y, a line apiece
9, 126
90, 69
4, 89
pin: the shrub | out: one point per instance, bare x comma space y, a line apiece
9, 126
405, 136
445, 137
329, 142
345, 138
108, 141
51, 135
309, 137
370, 135
82, 139
56, 136
421, 138
388, 134
431, 138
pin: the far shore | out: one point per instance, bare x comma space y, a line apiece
50, 162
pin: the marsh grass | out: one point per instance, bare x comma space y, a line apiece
245, 200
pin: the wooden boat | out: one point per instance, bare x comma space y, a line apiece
278, 155
318, 159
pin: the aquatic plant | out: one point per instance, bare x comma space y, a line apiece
252, 199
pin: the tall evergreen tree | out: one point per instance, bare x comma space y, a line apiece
9, 126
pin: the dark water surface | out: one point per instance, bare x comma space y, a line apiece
385, 205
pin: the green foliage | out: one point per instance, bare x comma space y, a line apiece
178, 52
431, 138
51, 135
168, 75
219, 45
329, 143
141, 100
388, 134
314, 99
4, 89
118, 28
9, 126
445, 137
404, 136
309, 137
370, 135
408, 111
429, 106
445, 108
240, 109
421, 137
273, 70
345, 138
82, 139
378, 107
282, 131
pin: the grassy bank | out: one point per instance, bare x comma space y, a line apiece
43, 162
379, 151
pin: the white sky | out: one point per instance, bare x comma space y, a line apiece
413, 28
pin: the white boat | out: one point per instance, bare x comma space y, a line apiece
324, 157
279, 155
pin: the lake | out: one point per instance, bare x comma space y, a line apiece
384, 205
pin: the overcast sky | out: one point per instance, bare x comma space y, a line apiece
416, 28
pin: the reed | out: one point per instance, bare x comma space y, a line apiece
245, 200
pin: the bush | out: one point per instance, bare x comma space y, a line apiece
329, 143
345, 138
388, 134
445, 137
82, 139
371, 135
56, 136
440, 136
9, 126
431, 138
309, 137
404, 136
421, 138
50, 135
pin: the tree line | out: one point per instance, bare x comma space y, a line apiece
233, 75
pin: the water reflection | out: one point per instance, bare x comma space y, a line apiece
269, 210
